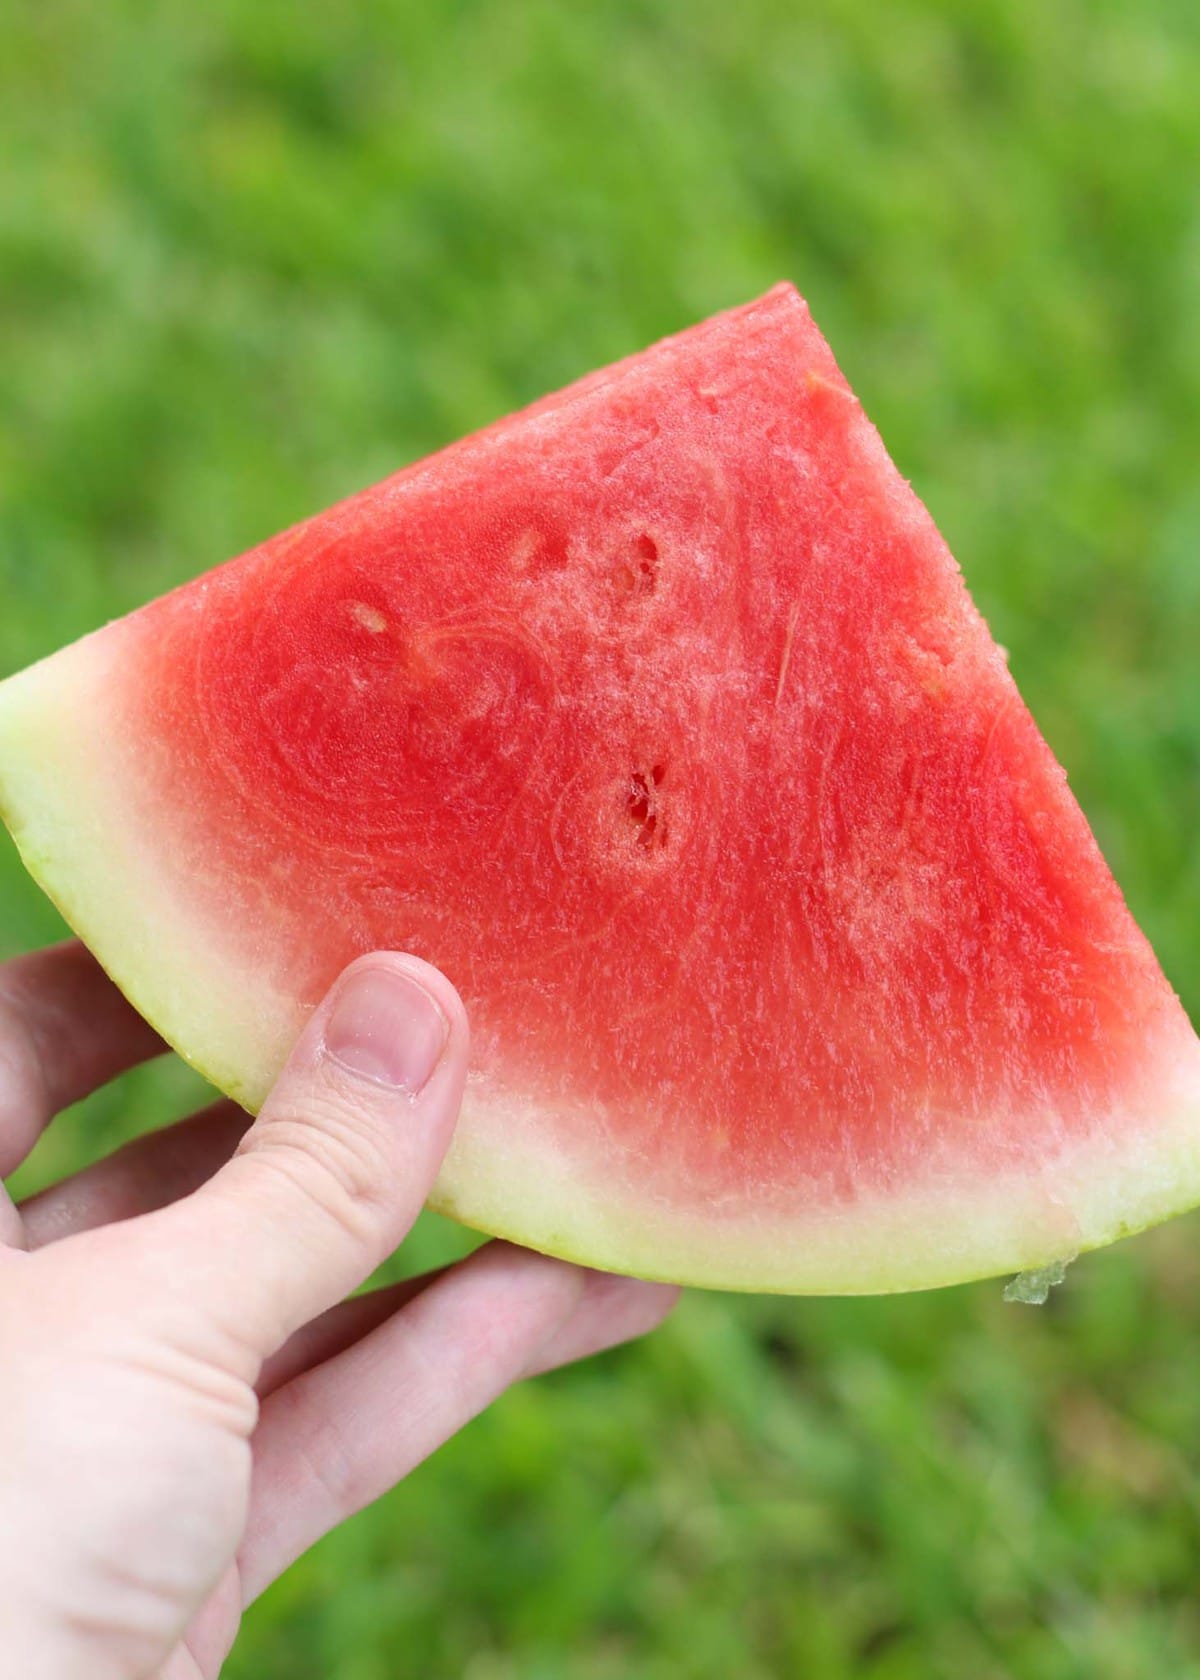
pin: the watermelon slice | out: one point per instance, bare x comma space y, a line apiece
658, 716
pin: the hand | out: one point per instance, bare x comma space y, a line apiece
184, 1404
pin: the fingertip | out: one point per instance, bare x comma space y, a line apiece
391, 1019
641, 1299
423, 973
612, 1310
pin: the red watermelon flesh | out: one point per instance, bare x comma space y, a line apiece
659, 717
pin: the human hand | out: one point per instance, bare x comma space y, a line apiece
187, 1401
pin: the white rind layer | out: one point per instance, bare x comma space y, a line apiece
65, 791
505, 1176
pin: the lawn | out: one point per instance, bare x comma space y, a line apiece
255, 255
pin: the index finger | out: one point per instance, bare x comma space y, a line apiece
65, 1029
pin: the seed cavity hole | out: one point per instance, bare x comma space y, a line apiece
639, 574
369, 617
538, 551
644, 806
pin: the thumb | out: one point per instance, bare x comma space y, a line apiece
335, 1169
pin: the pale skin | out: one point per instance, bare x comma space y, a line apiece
187, 1399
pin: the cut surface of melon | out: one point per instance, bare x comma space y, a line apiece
659, 717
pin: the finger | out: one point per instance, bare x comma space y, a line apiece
64, 1030
339, 1328
148, 1173
336, 1167
611, 1310
340, 1435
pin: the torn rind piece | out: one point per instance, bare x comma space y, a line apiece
1032, 1288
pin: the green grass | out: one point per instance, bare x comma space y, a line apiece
254, 255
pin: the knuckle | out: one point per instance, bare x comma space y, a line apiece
335, 1158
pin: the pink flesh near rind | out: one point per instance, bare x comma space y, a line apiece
659, 717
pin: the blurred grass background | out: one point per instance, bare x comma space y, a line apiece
253, 256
